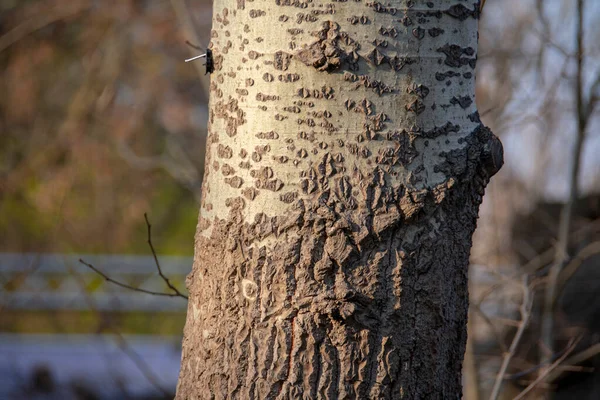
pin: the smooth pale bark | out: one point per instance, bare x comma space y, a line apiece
344, 171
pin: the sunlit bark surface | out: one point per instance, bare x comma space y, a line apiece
345, 167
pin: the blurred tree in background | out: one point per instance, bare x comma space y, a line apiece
101, 121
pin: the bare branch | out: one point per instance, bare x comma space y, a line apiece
576, 359
545, 373
164, 278
140, 364
193, 46
593, 98
568, 271
183, 15
525, 315
561, 256
489, 322
481, 6
173, 160
126, 286
546, 33
528, 371
176, 292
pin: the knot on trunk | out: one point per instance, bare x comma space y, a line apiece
491, 159
327, 53
492, 156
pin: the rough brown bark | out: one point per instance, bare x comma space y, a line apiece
345, 168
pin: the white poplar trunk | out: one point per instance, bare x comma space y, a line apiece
344, 171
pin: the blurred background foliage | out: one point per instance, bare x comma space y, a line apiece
101, 121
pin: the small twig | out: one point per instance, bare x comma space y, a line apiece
183, 15
121, 342
562, 257
593, 98
139, 362
481, 6
536, 265
488, 321
525, 315
508, 321
576, 359
126, 286
164, 278
486, 112
543, 375
193, 46
173, 160
570, 269
528, 371
545, 29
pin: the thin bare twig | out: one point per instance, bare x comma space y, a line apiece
140, 364
188, 28
593, 98
547, 371
126, 286
525, 315
488, 321
561, 256
576, 359
541, 264
570, 269
164, 278
193, 46
546, 33
176, 292
528, 371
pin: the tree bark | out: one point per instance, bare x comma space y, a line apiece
345, 167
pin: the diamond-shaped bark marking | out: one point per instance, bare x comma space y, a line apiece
416, 106
420, 90
377, 57
406, 150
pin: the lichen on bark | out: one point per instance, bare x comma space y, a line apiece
345, 167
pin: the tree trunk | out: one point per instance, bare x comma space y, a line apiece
345, 167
